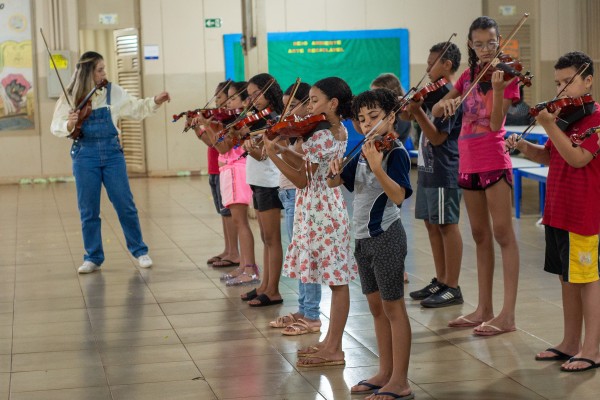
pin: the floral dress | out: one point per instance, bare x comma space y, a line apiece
320, 248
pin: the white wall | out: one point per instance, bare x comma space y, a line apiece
191, 62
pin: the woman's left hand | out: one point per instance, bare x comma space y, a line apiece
161, 98
498, 82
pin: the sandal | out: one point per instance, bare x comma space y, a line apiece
251, 295
307, 351
244, 278
233, 274
322, 362
224, 263
558, 355
264, 301
213, 259
282, 322
300, 328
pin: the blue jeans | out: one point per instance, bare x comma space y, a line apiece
98, 159
309, 294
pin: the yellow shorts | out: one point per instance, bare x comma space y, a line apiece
573, 256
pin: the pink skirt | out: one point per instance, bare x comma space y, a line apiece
234, 189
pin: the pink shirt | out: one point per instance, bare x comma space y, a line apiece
232, 157
479, 148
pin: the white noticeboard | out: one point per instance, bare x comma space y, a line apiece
151, 52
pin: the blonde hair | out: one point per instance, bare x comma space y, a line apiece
82, 81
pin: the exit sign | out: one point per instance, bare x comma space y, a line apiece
212, 23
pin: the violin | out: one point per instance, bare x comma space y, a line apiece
578, 139
85, 109
248, 121
218, 114
294, 126
385, 142
511, 67
429, 88
566, 105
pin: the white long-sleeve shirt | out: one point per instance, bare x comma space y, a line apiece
123, 105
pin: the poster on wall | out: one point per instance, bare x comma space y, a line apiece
16, 66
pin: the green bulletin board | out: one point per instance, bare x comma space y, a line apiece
355, 56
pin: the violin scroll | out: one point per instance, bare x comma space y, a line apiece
577, 139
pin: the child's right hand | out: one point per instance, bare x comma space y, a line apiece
512, 142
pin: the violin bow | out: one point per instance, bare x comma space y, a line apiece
227, 83
495, 58
56, 70
292, 94
579, 72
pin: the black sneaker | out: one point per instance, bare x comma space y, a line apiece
427, 291
446, 297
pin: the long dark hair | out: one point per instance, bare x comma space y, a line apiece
274, 94
337, 88
241, 89
83, 78
480, 23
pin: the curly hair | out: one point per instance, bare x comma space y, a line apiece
380, 97
452, 54
576, 59
82, 80
480, 23
274, 95
337, 88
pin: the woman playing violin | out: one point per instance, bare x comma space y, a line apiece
572, 217
98, 157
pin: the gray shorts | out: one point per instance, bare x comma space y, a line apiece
438, 206
381, 262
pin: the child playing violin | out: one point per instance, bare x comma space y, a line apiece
230, 255
438, 194
571, 217
263, 177
235, 192
307, 318
485, 175
380, 183
320, 252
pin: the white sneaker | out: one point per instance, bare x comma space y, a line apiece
145, 261
88, 267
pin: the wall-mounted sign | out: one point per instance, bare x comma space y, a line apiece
109, 19
151, 52
212, 22
507, 11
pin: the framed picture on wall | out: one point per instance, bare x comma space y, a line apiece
17, 96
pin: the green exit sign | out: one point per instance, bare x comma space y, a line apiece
212, 22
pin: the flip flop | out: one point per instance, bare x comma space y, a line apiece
560, 356
493, 332
265, 301
371, 388
301, 327
587, 360
223, 263
251, 295
395, 396
307, 351
464, 322
213, 259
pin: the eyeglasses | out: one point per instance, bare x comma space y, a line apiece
488, 45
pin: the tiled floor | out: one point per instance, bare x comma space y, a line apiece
176, 332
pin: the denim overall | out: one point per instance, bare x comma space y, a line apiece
98, 159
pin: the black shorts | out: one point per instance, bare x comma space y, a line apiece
380, 262
265, 199
573, 256
213, 181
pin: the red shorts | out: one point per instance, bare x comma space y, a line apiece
483, 180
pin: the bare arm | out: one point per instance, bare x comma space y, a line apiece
448, 105
429, 130
395, 192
